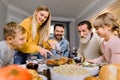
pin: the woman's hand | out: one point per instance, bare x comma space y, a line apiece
44, 52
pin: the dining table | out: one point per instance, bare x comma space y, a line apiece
45, 70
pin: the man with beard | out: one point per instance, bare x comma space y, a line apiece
89, 47
62, 45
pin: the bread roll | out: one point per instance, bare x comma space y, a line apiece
108, 72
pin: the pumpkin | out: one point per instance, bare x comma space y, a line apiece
108, 72
14, 72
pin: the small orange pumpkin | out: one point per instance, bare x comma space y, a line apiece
14, 72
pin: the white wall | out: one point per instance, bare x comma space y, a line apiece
72, 29
3, 13
15, 15
92, 12
72, 34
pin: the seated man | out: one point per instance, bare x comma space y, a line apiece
62, 45
89, 47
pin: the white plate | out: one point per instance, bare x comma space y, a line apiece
43, 77
41, 61
42, 67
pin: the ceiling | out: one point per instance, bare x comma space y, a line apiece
72, 9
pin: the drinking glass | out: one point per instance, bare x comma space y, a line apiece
73, 52
77, 59
32, 63
59, 51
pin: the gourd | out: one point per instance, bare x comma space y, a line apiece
14, 72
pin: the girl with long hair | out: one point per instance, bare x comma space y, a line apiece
107, 27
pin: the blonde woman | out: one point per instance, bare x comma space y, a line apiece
37, 27
105, 26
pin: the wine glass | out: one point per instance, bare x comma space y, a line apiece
73, 52
77, 59
74, 49
59, 51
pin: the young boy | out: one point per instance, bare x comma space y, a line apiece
14, 37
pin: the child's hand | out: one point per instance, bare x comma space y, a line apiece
91, 61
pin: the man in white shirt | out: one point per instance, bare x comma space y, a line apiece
89, 47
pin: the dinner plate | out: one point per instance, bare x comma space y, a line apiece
41, 61
41, 67
43, 77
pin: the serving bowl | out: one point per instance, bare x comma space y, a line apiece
73, 73
93, 70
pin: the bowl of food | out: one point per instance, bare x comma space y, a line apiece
69, 72
93, 68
